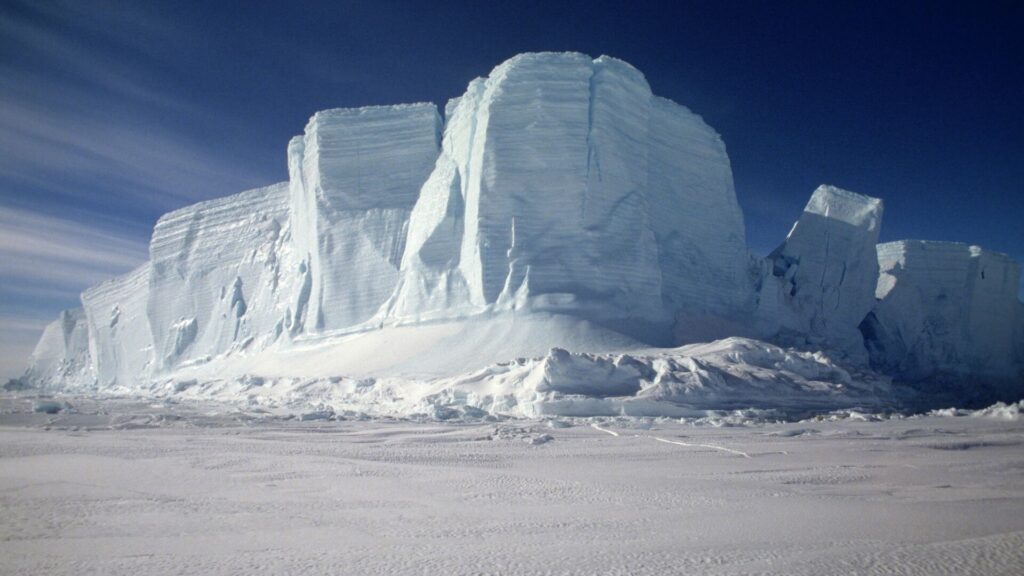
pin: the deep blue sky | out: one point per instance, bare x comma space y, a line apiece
112, 113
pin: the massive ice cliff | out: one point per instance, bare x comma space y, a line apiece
564, 184
558, 203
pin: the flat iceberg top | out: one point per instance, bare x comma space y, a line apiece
381, 110
234, 202
850, 207
901, 247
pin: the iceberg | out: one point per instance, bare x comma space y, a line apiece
565, 185
562, 240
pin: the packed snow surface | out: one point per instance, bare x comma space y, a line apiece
131, 487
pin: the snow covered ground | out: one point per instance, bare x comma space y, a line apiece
124, 486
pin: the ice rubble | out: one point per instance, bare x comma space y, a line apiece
691, 381
558, 205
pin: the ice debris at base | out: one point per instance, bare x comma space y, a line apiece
415, 262
998, 411
689, 382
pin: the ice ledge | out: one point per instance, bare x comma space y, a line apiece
855, 209
373, 111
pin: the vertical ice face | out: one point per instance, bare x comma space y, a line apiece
526, 177
221, 276
697, 222
61, 358
354, 177
945, 309
824, 274
563, 181
119, 334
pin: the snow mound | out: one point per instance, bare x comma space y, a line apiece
729, 374
998, 411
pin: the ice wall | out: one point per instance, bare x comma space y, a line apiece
945, 311
697, 222
354, 177
61, 358
221, 276
566, 185
557, 184
120, 340
822, 278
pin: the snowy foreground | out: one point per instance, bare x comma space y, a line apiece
128, 487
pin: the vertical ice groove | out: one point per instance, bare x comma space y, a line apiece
360, 174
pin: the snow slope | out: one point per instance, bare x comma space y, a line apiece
474, 376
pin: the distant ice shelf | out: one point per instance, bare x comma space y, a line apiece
562, 241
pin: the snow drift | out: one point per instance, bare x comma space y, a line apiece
546, 247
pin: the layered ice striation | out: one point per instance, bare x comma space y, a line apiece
219, 276
564, 185
946, 312
120, 339
558, 203
354, 177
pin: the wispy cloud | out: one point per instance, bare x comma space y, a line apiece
94, 144
45, 263
41, 249
85, 114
